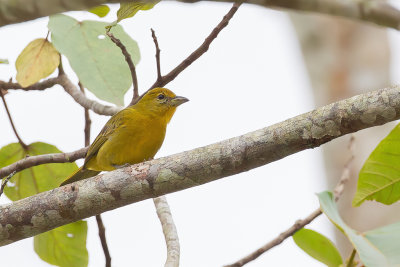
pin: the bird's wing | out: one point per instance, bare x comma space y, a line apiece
105, 133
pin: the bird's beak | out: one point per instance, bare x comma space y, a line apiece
178, 100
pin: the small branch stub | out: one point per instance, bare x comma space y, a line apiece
158, 63
5, 181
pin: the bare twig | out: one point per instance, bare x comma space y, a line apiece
88, 121
70, 88
169, 230
99, 220
82, 100
102, 235
37, 86
153, 34
130, 64
5, 181
338, 191
303, 222
278, 240
160, 82
199, 51
63, 80
43, 159
24, 146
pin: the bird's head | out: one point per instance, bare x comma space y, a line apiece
161, 102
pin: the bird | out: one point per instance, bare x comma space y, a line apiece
130, 136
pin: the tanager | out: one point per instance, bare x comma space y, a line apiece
132, 135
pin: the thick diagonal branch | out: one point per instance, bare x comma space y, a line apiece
45, 211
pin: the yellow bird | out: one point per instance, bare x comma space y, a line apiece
133, 135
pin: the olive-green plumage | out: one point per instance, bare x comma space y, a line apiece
133, 135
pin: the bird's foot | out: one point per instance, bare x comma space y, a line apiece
121, 166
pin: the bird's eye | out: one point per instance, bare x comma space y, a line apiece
161, 96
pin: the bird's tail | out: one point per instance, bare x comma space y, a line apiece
79, 174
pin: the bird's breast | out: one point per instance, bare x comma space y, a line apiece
131, 143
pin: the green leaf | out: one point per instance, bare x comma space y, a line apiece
36, 179
97, 61
3, 61
379, 178
318, 246
128, 10
38, 60
100, 11
376, 248
64, 246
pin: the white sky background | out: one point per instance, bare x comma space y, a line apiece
252, 76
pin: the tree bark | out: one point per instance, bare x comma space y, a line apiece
15, 11
48, 210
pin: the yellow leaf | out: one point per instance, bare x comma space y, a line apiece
128, 10
37, 61
100, 11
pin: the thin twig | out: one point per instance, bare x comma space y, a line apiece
82, 100
43, 159
278, 240
196, 53
338, 191
37, 86
70, 88
88, 121
5, 181
153, 34
99, 220
102, 235
24, 146
169, 230
301, 223
199, 51
130, 64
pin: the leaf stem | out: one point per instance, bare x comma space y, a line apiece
351, 259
